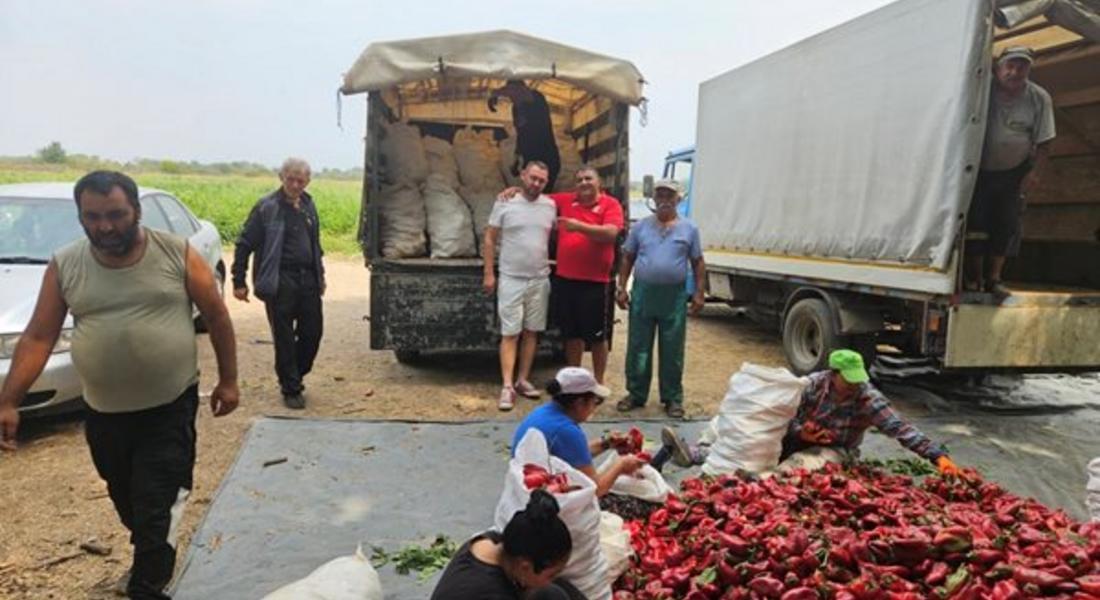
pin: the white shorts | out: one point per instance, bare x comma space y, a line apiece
522, 304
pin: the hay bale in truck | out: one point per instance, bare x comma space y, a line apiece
424, 299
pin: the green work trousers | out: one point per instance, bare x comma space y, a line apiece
656, 311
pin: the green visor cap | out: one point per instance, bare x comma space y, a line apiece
850, 365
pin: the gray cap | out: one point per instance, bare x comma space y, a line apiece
668, 184
1020, 52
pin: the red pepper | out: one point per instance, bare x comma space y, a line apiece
800, 593
736, 545
1042, 579
675, 578
953, 539
986, 557
1006, 590
1089, 584
768, 587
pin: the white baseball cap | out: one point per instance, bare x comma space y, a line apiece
577, 380
669, 184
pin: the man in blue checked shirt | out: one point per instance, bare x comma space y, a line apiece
837, 407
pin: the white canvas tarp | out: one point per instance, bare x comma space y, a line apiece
859, 144
492, 54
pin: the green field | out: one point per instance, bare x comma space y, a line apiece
225, 200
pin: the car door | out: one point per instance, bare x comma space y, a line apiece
152, 216
183, 223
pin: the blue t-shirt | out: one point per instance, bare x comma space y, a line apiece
663, 255
565, 439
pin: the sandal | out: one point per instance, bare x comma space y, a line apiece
626, 404
674, 411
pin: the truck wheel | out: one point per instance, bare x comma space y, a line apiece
407, 357
809, 334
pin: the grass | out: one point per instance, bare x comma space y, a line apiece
225, 200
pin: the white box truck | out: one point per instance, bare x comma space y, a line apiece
831, 182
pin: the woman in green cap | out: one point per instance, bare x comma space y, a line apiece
837, 407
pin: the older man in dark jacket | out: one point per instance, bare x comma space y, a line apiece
287, 273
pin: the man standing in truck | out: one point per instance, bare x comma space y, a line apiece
284, 233
534, 130
660, 251
523, 227
1019, 129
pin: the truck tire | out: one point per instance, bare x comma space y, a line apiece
809, 334
407, 357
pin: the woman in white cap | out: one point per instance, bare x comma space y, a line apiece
576, 394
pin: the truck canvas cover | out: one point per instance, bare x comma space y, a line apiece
859, 144
852, 155
495, 55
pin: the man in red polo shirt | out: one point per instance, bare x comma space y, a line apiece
589, 223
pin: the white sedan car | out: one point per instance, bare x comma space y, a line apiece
35, 220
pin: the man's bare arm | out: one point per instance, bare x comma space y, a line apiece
38, 339
488, 253
34, 349
204, 293
600, 233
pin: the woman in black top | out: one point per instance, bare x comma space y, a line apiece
520, 563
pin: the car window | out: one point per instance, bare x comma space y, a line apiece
181, 221
152, 216
33, 228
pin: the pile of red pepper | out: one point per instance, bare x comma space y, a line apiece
857, 533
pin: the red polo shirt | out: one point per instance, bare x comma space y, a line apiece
579, 256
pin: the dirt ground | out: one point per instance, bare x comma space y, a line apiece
52, 501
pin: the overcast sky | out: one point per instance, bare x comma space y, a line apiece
221, 80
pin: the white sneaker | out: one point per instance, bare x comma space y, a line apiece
507, 399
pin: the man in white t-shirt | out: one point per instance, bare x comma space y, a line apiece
1019, 129
523, 290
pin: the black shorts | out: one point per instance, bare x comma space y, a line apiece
993, 222
580, 309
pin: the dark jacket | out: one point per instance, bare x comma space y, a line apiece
262, 235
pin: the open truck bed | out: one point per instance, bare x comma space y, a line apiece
441, 85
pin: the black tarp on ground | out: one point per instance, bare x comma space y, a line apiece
395, 483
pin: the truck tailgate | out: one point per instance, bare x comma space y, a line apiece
1044, 330
421, 304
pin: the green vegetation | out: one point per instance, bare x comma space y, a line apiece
424, 560
53, 153
223, 199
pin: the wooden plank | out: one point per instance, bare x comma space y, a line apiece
1069, 180
1041, 40
1062, 222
